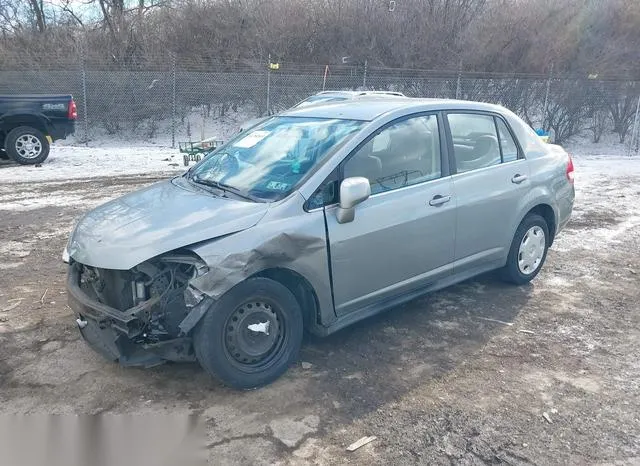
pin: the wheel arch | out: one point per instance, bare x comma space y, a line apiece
301, 288
11, 121
545, 211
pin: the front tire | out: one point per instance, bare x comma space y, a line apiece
251, 335
528, 250
27, 145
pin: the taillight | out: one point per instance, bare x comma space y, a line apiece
72, 114
570, 170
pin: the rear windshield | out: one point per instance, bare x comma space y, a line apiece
317, 99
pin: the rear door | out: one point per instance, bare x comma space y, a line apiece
402, 237
490, 177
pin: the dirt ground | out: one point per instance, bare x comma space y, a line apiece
481, 373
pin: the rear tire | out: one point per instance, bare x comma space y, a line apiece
528, 250
251, 335
27, 145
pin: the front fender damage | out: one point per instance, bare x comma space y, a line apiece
227, 270
159, 326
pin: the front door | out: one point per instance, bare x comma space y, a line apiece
402, 237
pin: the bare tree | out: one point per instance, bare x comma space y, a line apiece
622, 105
17, 15
38, 11
9, 17
520, 36
599, 124
68, 9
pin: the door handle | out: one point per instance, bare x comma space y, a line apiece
517, 179
439, 200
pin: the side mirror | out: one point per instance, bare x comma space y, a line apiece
353, 191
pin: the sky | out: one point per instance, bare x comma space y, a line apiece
84, 9
80, 8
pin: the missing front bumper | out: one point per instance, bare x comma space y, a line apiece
116, 347
117, 335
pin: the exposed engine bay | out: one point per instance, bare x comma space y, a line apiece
145, 305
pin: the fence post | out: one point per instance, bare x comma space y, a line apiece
546, 97
173, 101
85, 117
458, 82
324, 79
268, 83
635, 137
364, 75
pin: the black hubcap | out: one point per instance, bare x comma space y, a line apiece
253, 334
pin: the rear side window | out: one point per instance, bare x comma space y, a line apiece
507, 144
530, 142
475, 141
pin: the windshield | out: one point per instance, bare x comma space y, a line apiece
267, 162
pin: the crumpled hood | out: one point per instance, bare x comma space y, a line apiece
138, 226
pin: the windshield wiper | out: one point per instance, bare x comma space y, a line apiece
225, 187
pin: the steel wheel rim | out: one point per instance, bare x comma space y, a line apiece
247, 343
531, 250
28, 146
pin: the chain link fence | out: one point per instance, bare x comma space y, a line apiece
157, 100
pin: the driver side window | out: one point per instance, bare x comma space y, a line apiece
326, 194
402, 154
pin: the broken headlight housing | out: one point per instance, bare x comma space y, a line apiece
159, 289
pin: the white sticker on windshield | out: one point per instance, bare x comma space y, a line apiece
277, 186
251, 139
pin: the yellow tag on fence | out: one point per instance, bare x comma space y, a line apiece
274, 66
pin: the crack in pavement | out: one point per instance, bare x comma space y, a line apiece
266, 436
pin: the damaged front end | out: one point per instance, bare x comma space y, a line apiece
142, 316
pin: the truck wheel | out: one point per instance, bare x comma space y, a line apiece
251, 335
27, 145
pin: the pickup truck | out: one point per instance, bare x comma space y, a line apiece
30, 123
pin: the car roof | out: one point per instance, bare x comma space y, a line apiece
370, 109
359, 93
317, 98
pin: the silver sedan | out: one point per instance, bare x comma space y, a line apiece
316, 218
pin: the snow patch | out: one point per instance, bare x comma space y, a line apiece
56, 232
74, 163
195, 126
10, 265
609, 144
558, 281
14, 249
23, 205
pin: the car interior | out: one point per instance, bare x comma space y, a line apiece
403, 154
478, 150
475, 141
